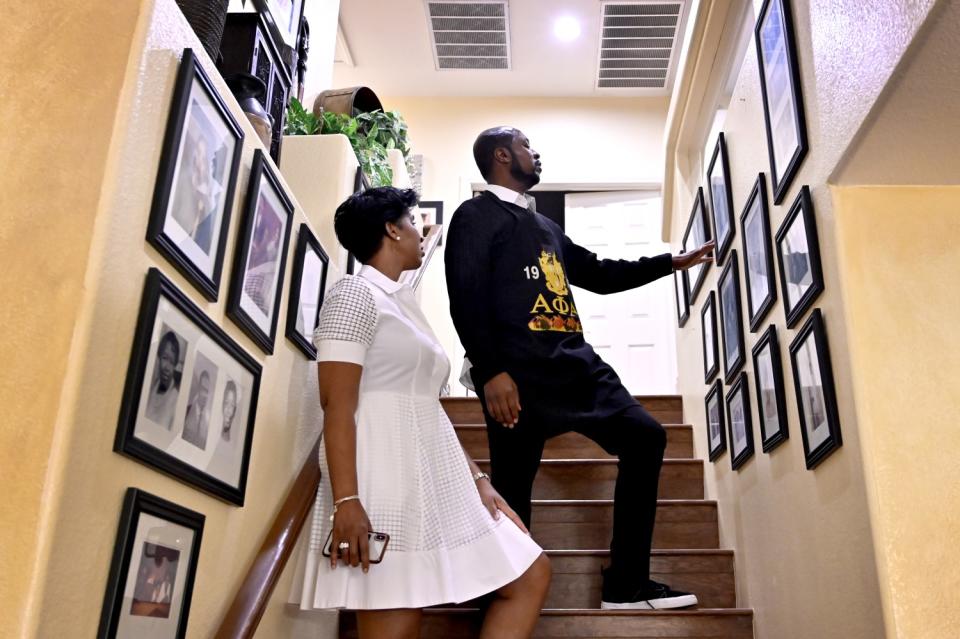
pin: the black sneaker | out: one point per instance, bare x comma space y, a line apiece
655, 596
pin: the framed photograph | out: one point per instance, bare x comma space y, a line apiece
190, 398
153, 569
816, 395
721, 199
432, 212
306, 291
731, 322
798, 254
360, 184
782, 96
193, 196
716, 430
683, 304
771, 402
285, 16
708, 322
739, 422
254, 301
697, 233
757, 255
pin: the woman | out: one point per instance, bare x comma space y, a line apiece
392, 462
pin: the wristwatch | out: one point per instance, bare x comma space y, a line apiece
477, 476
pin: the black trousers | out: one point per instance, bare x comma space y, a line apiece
635, 437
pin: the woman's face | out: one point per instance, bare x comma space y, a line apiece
410, 244
229, 407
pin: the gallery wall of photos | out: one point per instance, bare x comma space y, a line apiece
726, 316
189, 404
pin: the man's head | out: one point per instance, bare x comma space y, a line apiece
203, 389
504, 157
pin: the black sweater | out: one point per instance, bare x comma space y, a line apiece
508, 275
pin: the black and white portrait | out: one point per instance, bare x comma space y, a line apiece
731, 323
721, 198
716, 434
799, 256
164, 391
696, 234
708, 321
199, 428
815, 391
757, 255
307, 288
739, 422
771, 403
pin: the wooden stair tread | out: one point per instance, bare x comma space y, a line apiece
594, 612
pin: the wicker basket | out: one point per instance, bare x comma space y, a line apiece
207, 18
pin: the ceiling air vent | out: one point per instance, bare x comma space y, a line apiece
638, 44
470, 35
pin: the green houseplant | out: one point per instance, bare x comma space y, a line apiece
371, 135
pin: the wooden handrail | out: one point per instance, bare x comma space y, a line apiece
251, 601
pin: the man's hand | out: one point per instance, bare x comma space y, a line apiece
698, 256
503, 400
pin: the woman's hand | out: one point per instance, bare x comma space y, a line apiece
351, 525
497, 504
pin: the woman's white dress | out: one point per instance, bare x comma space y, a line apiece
414, 481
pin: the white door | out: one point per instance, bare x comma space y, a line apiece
632, 331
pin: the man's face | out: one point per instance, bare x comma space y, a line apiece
229, 406
525, 162
203, 391
168, 361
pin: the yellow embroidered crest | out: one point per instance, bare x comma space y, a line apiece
553, 273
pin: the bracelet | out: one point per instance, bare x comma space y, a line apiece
340, 502
480, 475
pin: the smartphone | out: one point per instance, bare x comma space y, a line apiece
377, 543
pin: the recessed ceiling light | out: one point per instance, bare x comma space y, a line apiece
566, 28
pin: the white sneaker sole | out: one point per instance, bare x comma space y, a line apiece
663, 603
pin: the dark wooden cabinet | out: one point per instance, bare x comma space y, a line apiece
248, 47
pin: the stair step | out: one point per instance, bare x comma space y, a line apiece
594, 478
706, 573
588, 524
459, 623
666, 409
574, 445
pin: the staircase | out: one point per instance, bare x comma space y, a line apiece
572, 520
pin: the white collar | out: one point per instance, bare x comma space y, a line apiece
509, 195
383, 282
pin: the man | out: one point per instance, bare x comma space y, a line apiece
197, 420
162, 400
507, 275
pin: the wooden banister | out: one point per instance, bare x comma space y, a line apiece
430, 244
251, 601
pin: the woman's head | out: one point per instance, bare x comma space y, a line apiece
380, 220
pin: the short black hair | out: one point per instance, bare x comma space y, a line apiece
169, 339
488, 142
360, 221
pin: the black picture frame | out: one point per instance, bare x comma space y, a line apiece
721, 199
683, 303
728, 293
796, 264
708, 318
771, 399
777, 37
716, 430
739, 392
697, 225
285, 28
188, 249
815, 449
758, 255
360, 184
239, 309
306, 243
137, 503
436, 206
164, 309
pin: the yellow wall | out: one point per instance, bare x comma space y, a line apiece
900, 263
50, 188
581, 140
805, 552
74, 265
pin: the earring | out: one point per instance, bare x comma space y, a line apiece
397, 237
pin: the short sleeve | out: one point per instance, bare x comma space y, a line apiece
348, 321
